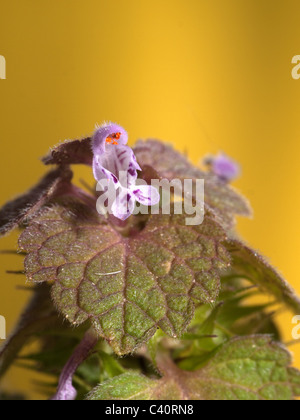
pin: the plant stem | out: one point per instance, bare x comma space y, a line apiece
65, 390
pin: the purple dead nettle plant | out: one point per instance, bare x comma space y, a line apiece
169, 292
115, 169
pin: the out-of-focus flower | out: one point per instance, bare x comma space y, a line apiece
116, 162
224, 167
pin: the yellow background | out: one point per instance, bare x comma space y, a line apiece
205, 75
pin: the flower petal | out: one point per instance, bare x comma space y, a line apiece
225, 168
108, 134
127, 166
146, 195
123, 206
116, 162
100, 172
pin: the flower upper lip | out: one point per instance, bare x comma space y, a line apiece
112, 156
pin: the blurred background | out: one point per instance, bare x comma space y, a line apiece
204, 75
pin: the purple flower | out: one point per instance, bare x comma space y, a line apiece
225, 168
116, 162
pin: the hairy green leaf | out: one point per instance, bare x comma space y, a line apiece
127, 287
134, 386
249, 368
251, 265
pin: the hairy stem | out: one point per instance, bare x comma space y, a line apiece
65, 390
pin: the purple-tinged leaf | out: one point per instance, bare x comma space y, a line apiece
127, 287
71, 152
16, 211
